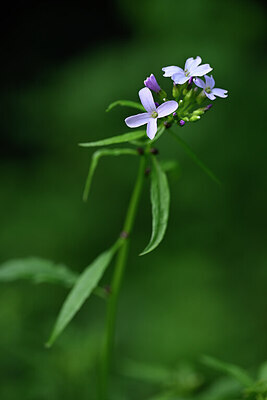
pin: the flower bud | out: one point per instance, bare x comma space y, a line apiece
163, 95
181, 122
152, 84
199, 111
175, 91
208, 107
194, 118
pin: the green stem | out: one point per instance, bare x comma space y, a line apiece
117, 279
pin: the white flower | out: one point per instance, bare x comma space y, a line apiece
153, 113
208, 87
192, 68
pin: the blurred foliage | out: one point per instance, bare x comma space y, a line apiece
204, 289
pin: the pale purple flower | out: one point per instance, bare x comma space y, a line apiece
152, 84
208, 87
153, 113
192, 68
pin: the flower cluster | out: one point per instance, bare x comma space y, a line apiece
189, 102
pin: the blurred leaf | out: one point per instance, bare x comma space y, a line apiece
258, 389
160, 199
126, 103
165, 396
95, 158
224, 388
230, 369
126, 137
82, 289
169, 165
194, 157
263, 371
37, 270
146, 372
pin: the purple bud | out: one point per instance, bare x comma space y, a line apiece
152, 84
208, 107
156, 104
181, 122
190, 81
174, 114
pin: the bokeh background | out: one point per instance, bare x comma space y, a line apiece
203, 291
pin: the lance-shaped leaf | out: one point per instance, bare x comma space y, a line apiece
95, 158
160, 200
82, 289
230, 369
126, 137
194, 157
37, 270
126, 103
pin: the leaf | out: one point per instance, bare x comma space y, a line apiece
146, 372
195, 158
230, 369
82, 289
95, 158
37, 270
126, 103
263, 371
169, 165
126, 137
160, 200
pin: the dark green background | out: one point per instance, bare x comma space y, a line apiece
203, 291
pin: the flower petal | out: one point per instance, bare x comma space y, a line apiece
210, 82
192, 63
137, 120
198, 82
201, 70
210, 96
170, 71
151, 129
180, 78
147, 99
167, 108
220, 92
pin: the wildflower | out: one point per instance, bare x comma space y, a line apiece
152, 84
192, 68
153, 113
208, 88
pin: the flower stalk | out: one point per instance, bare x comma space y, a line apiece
117, 279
